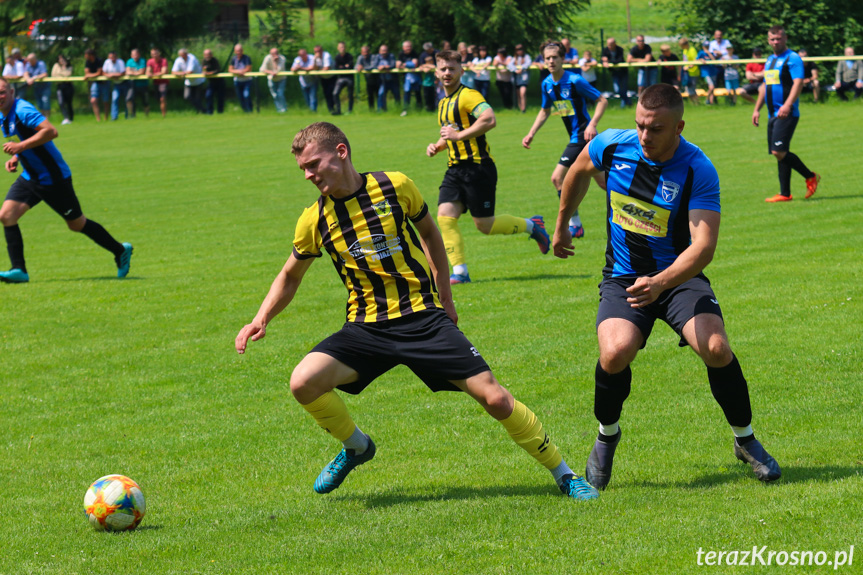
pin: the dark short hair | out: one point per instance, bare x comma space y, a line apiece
661, 96
777, 29
756, 51
327, 135
448, 56
552, 44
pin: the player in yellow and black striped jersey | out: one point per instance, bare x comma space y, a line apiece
390, 256
470, 182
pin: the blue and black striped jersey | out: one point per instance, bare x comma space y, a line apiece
42, 163
648, 203
569, 98
779, 75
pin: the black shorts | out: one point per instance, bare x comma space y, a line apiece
474, 185
571, 153
61, 197
427, 342
752, 88
779, 133
675, 306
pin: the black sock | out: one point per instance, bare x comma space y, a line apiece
784, 178
15, 247
731, 392
744, 440
797, 164
101, 236
609, 394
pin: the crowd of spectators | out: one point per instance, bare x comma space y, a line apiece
117, 85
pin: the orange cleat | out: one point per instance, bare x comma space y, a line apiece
779, 198
812, 185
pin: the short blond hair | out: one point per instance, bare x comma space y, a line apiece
329, 136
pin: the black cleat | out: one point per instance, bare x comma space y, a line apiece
598, 470
765, 467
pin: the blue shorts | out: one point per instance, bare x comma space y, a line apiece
101, 91
732, 85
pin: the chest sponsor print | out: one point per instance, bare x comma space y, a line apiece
637, 216
375, 248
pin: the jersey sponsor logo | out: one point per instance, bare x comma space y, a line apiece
383, 208
564, 107
375, 248
771, 77
622, 166
670, 191
638, 216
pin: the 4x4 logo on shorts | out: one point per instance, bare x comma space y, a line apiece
670, 191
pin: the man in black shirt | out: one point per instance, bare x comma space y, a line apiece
215, 86
668, 74
613, 54
343, 61
811, 81
642, 53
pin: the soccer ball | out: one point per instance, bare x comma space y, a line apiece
114, 503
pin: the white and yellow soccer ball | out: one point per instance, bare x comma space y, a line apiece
114, 503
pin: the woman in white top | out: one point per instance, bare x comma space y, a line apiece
521, 67
480, 66
503, 76
65, 90
587, 65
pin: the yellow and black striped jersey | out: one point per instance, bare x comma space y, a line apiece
374, 249
461, 111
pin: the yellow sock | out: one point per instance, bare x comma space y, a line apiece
526, 430
507, 226
452, 240
332, 415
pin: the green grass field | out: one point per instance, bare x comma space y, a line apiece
140, 377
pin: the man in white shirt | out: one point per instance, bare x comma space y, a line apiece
719, 48
114, 69
184, 65
273, 64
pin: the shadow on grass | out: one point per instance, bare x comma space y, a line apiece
826, 198
94, 279
790, 474
395, 497
536, 277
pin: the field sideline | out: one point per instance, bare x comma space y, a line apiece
139, 377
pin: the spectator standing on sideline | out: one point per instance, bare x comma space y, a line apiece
587, 65
612, 55
273, 64
365, 64
324, 61
408, 59
44, 176
811, 76
429, 82
568, 94
849, 76
185, 65
389, 82
157, 66
732, 77
783, 79
13, 71
114, 69
482, 75
663, 227
65, 90
708, 72
689, 73
754, 74
466, 59
642, 53
428, 50
668, 74
99, 90
305, 62
719, 48
136, 67
215, 86
241, 65
521, 66
343, 61
571, 57
35, 71
470, 182
502, 65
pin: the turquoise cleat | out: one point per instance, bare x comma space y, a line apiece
338, 469
14, 276
578, 488
124, 260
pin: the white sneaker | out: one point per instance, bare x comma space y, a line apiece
66, 121
404, 113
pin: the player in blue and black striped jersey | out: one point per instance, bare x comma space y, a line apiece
662, 202
783, 82
568, 94
45, 176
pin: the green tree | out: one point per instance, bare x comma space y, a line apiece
823, 27
489, 22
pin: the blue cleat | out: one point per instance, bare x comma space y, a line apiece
577, 488
601, 460
539, 235
337, 470
459, 279
763, 465
14, 276
577, 232
124, 260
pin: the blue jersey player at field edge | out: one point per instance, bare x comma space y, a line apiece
783, 81
567, 93
45, 176
662, 203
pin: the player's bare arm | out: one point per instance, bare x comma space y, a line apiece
572, 192
590, 131
435, 147
45, 132
436, 256
704, 230
282, 291
12, 164
483, 124
796, 87
541, 117
759, 101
